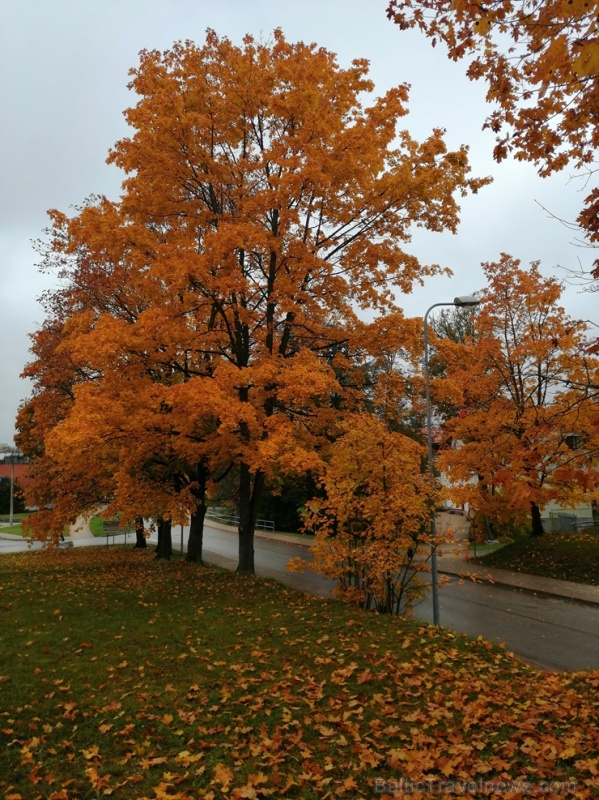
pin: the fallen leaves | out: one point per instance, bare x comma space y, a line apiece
319, 704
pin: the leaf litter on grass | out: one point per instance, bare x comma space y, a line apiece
127, 677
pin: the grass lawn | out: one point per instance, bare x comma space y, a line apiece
16, 527
96, 526
568, 556
133, 678
483, 549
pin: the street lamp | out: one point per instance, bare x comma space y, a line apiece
464, 301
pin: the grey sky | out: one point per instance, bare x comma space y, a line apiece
63, 76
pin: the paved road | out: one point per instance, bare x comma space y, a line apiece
271, 557
546, 631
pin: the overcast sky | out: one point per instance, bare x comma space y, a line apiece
63, 79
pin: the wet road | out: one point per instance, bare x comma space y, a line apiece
548, 632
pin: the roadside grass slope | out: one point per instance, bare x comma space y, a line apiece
565, 556
126, 677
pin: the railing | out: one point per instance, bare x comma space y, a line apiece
564, 522
225, 518
114, 529
587, 524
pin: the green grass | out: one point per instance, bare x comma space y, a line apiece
483, 549
16, 527
19, 515
301, 537
125, 676
567, 556
96, 526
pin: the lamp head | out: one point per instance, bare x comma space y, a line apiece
466, 301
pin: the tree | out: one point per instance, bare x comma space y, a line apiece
99, 426
522, 393
123, 445
373, 522
18, 496
263, 205
457, 325
541, 63
285, 499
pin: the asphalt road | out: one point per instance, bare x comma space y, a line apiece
548, 632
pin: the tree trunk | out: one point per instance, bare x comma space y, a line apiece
196, 535
196, 527
164, 548
489, 529
250, 495
537, 525
140, 534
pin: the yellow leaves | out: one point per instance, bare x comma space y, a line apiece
482, 26
378, 508
325, 732
163, 792
341, 675
575, 9
91, 753
544, 97
568, 752
397, 757
364, 677
185, 758
368, 756
587, 61
296, 564
223, 775
348, 785
99, 783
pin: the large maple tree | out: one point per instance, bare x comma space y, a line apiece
527, 431
264, 206
540, 61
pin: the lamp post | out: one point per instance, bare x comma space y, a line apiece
464, 301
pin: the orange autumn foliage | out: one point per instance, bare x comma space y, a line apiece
540, 61
525, 389
263, 205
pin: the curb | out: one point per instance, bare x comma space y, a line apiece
581, 593
284, 537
